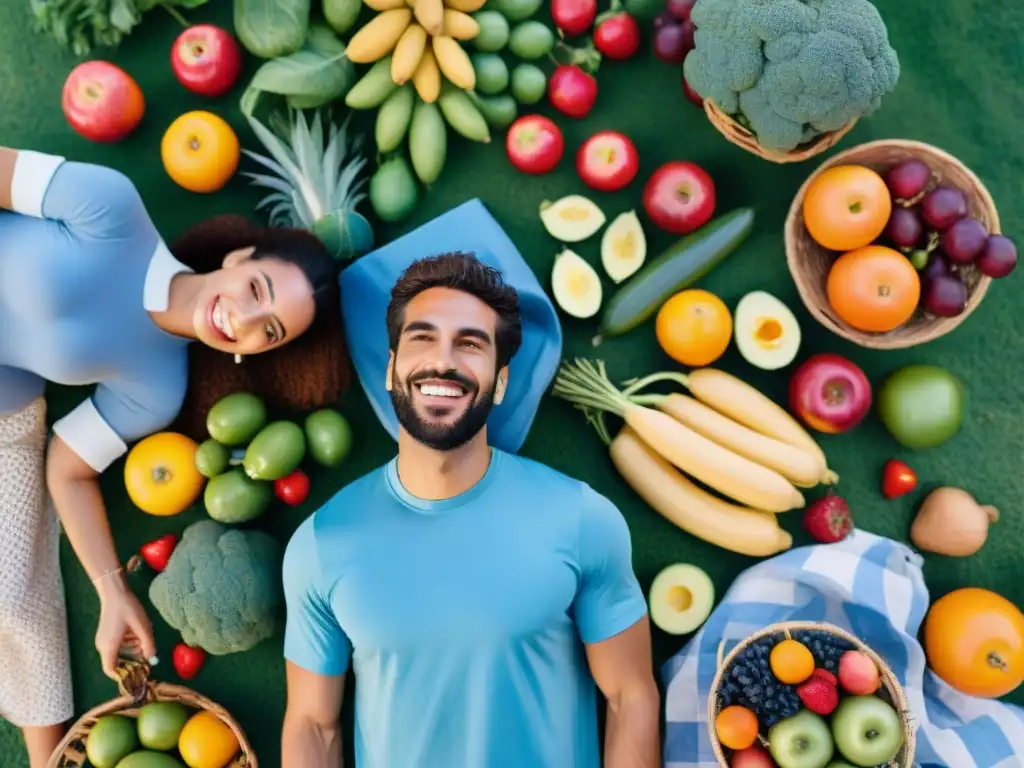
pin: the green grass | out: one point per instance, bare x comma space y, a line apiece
958, 90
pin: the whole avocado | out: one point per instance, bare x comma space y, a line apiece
275, 452
235, 419
922, 406
149, 759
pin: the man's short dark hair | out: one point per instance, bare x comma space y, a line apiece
461, 272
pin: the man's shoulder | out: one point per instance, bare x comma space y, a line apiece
547, 482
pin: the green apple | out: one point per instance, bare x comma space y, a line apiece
867, 730
801, 741
922, 406
839, 764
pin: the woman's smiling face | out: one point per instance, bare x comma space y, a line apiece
253, 305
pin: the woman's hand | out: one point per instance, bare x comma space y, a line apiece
124, 628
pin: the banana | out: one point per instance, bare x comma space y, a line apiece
454, 62
743, 403
667, 491
379, 37
427, 77
408, 52
459, 25
430, 14
795, 464
384, 5
466, 6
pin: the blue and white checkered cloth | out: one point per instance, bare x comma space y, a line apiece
872, 587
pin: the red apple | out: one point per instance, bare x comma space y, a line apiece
534, 144
607, 161
751, 757
102, 102
829, 393
680, 197
207, 60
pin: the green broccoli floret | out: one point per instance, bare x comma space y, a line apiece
793, 68
222, 587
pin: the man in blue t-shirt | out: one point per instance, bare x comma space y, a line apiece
476, 596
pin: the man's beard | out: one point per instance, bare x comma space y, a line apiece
441, 436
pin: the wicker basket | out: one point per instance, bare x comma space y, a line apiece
742, 137
891, 689
809, 263
137, 689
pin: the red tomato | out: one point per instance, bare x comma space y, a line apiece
617, 36
680, 197
607, 161
102, 102
292, 489
534, 144
207, 60
574, 17
572, 91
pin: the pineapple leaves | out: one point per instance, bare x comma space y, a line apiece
310, 77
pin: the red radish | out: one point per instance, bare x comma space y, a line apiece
534, 144
155, 553
607, 161
574, 17
998, 258
617, 35
679, 197
187, 660
572, 91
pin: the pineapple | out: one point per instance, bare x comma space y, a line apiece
315, 187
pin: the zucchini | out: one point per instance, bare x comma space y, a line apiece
680, 266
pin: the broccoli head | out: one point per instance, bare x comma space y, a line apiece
794, 69
222, 587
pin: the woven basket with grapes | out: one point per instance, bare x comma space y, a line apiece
807, 695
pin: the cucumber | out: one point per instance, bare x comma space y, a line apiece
275, 452
428, 142
462, 115
680, 266
372, 88
393, 118
236, 418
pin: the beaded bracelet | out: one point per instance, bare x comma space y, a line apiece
111, 572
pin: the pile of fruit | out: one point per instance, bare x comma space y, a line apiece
165, 734
906, 244
813, 699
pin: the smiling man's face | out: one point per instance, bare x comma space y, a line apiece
443, 377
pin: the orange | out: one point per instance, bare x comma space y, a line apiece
206, 741
200, 152
160, 474
736, 727
694, 327
974, 640
791, 662
846, 207
874, 288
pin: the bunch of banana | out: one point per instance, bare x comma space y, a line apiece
728, 436
422, 39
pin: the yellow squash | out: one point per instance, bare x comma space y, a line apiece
668, 492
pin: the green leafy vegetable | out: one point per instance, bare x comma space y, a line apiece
271, 28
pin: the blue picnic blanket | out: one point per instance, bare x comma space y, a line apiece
366, 289
872, 587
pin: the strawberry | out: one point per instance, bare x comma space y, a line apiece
155, 554
828, 519
819, 696
897, 479
824, 674
187, 660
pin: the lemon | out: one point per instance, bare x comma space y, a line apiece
206, 741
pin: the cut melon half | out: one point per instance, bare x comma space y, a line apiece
623, 246
571, 219
575, 285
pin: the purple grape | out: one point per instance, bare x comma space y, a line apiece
680, 8
665, 19
964, 240
904, 228
908, 179
937, 266
670, 44
945, 296
688, 30
998, 257
943, 206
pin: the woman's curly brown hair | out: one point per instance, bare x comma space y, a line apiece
310, 372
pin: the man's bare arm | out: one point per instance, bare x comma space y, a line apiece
7, 160
623, 669
311, 737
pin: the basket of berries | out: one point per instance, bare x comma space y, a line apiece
808, 695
